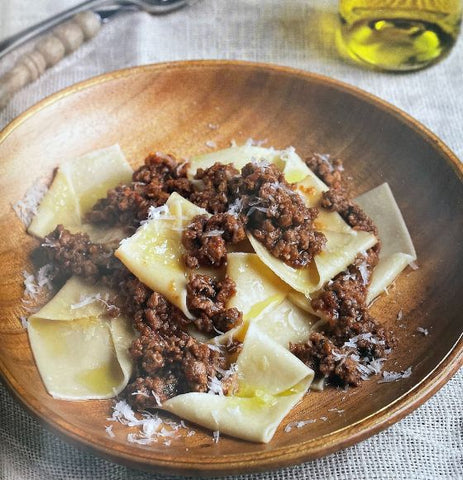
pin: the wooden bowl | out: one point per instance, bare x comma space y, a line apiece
178, 107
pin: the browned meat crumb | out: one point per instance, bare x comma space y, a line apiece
277, 216
176, 363
162, 168
151, 186
205, 239
217, 187
206, 298
150, 309
74, 254
351, 337
337, 198
328, 169
342, 303
150, 392
325, 358
168, 361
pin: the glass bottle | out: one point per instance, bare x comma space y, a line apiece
399, 35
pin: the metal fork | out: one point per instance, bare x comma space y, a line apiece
104, 7
70, 29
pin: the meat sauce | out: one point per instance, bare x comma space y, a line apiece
258, 200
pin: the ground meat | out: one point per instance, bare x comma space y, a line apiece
149, 392
322, 356
217, 187
151, 186
168, 361
206, 299
126, 205
170, 365
200, 363
205, 239
328, 169
163, 168
337, 198
74, 254
277, 216
342, 303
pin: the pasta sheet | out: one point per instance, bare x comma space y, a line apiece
81, 354
397, 250
154, 254
77, 185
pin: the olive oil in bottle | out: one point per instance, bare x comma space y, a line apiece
399, 35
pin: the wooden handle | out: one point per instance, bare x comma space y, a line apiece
64, 39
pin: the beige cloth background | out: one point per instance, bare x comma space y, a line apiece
428, 444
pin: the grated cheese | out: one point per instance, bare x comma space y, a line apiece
34, 286
337, 410
298, 424
211, 144
152, 428
214, 233
395, 376
414, 265
155, 213
422, 330
24, 322
250, 142
26, 208
85, 300
214, 386
216, 436
109, 431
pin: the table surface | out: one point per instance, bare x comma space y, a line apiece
428, 444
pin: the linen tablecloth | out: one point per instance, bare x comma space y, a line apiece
428, 444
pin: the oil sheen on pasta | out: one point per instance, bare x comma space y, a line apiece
399, 35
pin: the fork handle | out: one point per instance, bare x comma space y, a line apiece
10, 43
64, 39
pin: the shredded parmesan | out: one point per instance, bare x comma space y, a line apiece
24, 322
151, 427
395, 376
236, 207
365, 274
109, 431
422, 330
34, 286
85, 300
212, 126
298, 424
216, 436
26, 208
250, 142
211, 144
337, 410
325, 158
414, 265
155, 212
215, 386
214, 233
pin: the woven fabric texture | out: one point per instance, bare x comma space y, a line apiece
428, 444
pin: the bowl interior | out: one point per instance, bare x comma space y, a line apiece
179, 107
